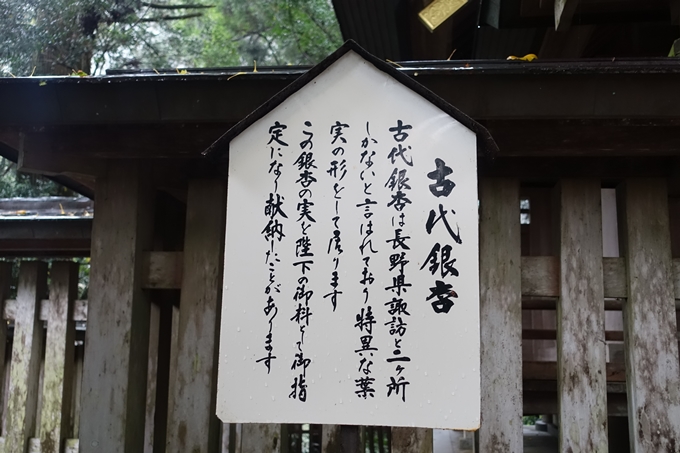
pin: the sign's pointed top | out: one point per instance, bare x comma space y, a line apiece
486, 145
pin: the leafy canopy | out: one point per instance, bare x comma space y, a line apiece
65, 36
43, 37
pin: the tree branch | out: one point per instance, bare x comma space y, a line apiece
319, 26
174, 7
164, 18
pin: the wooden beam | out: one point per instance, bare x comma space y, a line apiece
541, 371
581, 354
540, 276
162, 270
650, 326
59, 358
548, 334
501, 316
543, 137
45, 237
26, 355
37, 154
80, 149
193, 425
564, 12
116, 343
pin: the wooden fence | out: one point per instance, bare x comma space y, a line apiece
60, 393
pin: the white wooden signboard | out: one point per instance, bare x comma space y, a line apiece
351, 281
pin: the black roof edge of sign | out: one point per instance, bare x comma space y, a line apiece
486, 146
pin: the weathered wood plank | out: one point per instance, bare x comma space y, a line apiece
79, 310
614, 371
413, 440
676, 280
26, 349
546, 334
261, 438
162, 270
501, 316
236, 429
77, 391
117, 336
330, 439
151, 379
540, 276
59, 357
614, 277
193, 425
166, 344
652, 366
5, 281
581, 354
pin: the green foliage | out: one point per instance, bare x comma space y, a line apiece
14, 184
62, 36
282, 31
529, 420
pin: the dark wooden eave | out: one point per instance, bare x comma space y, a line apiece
45, 237
625, 110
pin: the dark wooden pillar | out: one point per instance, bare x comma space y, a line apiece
193, 425
116, 343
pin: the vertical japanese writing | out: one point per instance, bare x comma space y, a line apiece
304, 260
397, 309
273, 233
337, 169
440, 260
365, 320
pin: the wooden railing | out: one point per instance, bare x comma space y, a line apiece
42, 410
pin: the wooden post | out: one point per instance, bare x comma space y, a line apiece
193, 425
59, 357
151, 378
501, 316
351, 439
5, 281
261, 438
233, 438
77, 392
413, 440
26, 352
166, 344
330, 439
581, 359
117, 337
652, 368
